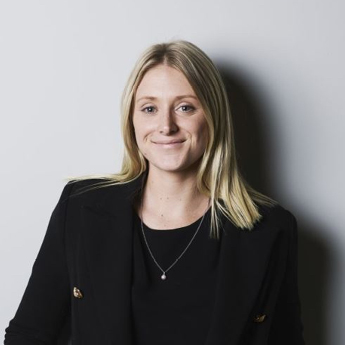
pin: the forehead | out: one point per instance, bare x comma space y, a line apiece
163, 80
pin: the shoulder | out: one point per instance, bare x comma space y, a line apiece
98, 190
276, 215
278, 219
76, 187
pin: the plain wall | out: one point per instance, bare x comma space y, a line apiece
63, 65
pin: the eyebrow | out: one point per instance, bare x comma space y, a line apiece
177, 97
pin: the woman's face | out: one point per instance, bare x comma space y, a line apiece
169, 122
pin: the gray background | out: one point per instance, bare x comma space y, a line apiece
64, 64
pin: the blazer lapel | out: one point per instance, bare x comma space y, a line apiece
244, 259
107, 237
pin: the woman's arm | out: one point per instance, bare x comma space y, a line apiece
46, 300
287, 328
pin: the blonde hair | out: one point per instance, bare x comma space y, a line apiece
218, 176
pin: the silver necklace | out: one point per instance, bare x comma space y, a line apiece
163, 276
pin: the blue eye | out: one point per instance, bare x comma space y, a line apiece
187, 106
145, 109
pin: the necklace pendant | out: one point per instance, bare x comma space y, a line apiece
163, 276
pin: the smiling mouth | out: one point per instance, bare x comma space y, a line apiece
172, 143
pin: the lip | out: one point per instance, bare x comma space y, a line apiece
171, 142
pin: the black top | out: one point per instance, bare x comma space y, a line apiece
177, 310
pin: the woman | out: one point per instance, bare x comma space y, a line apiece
175, 249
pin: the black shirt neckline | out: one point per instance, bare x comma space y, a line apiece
174, 230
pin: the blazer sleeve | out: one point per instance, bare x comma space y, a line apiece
46, 300
287, 327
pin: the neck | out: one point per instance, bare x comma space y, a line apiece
173, 195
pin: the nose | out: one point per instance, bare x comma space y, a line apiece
167, 123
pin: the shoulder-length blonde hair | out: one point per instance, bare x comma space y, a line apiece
218, 176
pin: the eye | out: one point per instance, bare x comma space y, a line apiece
187, 108
148, 109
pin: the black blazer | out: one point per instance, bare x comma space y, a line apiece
83, 274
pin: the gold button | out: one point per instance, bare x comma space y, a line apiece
259, 318
77, 293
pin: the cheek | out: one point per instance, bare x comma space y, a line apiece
142, 128
138, 128
203, 133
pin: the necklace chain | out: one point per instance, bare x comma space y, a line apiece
163, 276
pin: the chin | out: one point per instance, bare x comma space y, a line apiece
168, 167
172, 165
